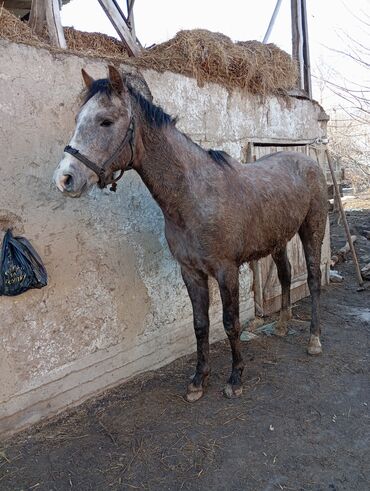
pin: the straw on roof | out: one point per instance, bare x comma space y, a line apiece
213, 57
94, 43
12, 28
206, 56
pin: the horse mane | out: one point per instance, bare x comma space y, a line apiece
154, 115
219, 156
101, 86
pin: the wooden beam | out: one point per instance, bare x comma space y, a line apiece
300, 49
120, 26
47, 12
306, 51
297, 40
54, 24
37, 17
130, 18
345, 223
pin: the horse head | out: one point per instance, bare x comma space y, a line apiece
103, 140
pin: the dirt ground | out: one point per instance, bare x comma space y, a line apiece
301, 424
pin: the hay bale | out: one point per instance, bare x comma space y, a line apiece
269, 69
199, 53
88, 43
12, 28
94, 43
213, 57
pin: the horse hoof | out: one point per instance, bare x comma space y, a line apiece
232, 392
314, 346
281, 329
193, 393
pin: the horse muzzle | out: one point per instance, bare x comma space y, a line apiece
70, 182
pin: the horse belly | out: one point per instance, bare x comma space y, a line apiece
273, 227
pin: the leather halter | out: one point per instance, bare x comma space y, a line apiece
101, 170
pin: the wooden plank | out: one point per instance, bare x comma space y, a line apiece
288, 142
120, 26
54, 24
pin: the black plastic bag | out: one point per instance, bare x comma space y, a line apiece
21, 267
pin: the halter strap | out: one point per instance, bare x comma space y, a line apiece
101, 170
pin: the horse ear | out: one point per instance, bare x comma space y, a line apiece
115, 79
87, 79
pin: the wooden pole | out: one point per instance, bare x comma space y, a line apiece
300, 49
306, 51
47, 12
345, 223
54, 24
37, 17
130, 17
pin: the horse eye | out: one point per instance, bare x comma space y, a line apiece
106, 122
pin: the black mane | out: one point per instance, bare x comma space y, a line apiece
101, 86
219, 156
154, 115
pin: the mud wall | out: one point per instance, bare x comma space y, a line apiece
115, 304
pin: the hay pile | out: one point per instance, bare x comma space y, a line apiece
213, 57
15, 30
206, 56
94, 43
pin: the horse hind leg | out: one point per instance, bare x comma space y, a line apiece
312, 233
281, 260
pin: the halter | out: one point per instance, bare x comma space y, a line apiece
100, 171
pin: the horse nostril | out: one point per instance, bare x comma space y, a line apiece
68, 182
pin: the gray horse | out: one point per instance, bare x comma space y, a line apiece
218, 213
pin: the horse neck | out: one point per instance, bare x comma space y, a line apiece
163, 166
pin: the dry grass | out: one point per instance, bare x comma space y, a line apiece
94, 43
14, 29
207, 56
213, 57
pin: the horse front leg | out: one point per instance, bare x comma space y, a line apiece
197, 285
228, 281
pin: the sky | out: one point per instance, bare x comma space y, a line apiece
331, 24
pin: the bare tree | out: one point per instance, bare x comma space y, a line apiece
350, 147
349, 127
